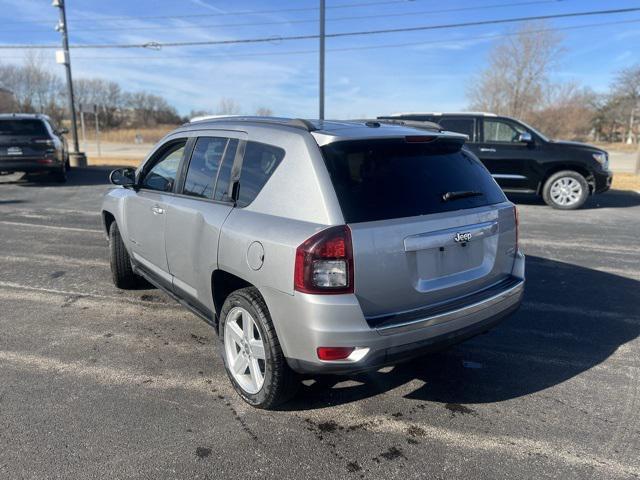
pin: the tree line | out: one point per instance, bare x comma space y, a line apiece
518, 82
30, 88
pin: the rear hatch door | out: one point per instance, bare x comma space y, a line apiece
429, 224
23, 138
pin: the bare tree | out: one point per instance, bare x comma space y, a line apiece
228, 106
626, 93
517, 75
264, 112
7, 101
566, 111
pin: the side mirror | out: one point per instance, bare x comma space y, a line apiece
525, 137
124, 177
62, 131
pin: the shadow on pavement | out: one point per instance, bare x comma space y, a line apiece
610, 199
572, 319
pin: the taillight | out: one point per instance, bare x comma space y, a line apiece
324, 263
517, 220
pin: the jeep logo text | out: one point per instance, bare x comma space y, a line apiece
462, 237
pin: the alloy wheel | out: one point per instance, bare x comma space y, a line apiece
244, 350
566, 191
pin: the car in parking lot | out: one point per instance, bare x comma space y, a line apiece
523, 160
317, 247
30, 143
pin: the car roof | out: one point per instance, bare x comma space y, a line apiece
328, 131
23, 116
439, 114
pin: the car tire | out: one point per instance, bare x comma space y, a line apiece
279, 382
565, 190
59, 176
121, 269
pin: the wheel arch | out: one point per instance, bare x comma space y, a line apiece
107, 219
223, 284
575, 167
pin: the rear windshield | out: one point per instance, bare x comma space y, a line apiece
384, 179
22, 127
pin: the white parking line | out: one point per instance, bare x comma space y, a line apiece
52, 227
70, 293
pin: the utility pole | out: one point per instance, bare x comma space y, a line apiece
321, 95
76, 158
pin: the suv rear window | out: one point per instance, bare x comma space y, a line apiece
23, 127
384, 179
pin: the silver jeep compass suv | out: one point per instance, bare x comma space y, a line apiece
318, 247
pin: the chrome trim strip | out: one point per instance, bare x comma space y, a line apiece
508, 176
507, 295
440, 238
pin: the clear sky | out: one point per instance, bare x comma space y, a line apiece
365, 75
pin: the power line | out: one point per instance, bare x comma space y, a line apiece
293, 22
157, 45
222, 14
345, 49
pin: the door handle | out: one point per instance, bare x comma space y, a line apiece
157, 210
492, 150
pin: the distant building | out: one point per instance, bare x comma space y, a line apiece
7, 101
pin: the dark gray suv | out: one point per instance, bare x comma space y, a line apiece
30, 143
318, 247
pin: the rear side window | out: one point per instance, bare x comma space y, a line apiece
204, 166
23, 127
460, 125
384, 179
259, 163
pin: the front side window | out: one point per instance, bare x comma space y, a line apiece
163, 174
204, 166
501, 131
260, 161
460, 125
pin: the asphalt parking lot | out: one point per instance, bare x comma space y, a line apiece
100, 383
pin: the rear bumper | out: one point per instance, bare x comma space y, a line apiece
28, 165
307, 322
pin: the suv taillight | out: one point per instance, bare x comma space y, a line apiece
324, 263
517, 219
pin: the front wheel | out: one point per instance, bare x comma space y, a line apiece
252, 354
566, 190
121, 270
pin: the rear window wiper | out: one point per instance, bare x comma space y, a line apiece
463, 194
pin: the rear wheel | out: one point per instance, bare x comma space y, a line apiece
566, 190
121, 270
252, 354
59, 176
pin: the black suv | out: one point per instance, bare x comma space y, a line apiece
521, 159
29, 143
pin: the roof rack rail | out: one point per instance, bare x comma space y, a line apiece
292, 122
